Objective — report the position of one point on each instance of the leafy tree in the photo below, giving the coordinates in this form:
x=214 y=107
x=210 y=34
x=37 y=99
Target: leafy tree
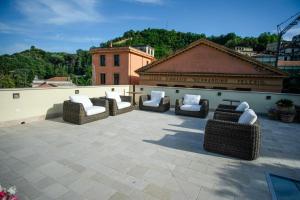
x=6 y=81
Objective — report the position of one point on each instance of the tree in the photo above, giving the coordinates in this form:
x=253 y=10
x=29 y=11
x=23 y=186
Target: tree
x=6 y=81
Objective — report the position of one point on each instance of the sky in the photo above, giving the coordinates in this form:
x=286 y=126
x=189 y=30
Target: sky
x=68 y=25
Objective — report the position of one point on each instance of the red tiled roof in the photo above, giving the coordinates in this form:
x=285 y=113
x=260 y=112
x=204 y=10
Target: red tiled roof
x=46 y=85
x=288 y=63
x=59 y=78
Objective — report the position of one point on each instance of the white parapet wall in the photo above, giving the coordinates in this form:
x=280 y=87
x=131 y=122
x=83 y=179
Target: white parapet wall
x=261 y=102
x=31 y=104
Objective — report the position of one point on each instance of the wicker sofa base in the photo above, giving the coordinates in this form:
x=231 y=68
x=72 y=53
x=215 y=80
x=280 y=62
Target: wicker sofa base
x=113 y=106
x=164 y=104
x=191 y=113
x=72 y=118
x=164 y=108
x=200 y=114
x=75 y=113
x=232 y=139
x=114 y=112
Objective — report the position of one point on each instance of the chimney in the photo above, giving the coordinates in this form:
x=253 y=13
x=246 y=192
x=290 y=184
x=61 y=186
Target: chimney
x=110 y=44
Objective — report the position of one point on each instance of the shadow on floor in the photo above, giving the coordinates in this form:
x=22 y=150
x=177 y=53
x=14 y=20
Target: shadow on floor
x=191 y=123
x=55 y=111
x=182 y=140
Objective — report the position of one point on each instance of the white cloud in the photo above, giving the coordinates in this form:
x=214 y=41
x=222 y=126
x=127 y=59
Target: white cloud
x=8 y=28
x=60 y=12
x=75 y=39
x=16 y=47
x=132 y=17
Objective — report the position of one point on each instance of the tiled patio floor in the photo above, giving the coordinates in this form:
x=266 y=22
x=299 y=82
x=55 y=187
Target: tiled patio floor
x=139 y=155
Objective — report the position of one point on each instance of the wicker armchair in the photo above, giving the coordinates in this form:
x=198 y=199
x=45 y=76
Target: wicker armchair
x=227 y=116
x=232 y=138
x=227 y=108
x=202 y=113
x=113 y=106
x=164 y=104
x=75 y=113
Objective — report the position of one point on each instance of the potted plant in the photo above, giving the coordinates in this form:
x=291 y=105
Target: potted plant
x=285 y=105
x=286 y=110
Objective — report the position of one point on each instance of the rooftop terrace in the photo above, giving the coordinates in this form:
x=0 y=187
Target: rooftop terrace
x=139 y=155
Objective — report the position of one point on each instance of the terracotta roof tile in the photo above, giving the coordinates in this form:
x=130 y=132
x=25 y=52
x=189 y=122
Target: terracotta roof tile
x=59 y=78
x=288 y=63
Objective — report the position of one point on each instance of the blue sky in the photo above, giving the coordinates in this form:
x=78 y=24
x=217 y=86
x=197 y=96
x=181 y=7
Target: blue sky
x=68 y=25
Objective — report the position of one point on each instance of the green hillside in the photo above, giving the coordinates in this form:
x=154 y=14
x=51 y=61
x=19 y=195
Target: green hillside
x=166 y=42
x=19 y=69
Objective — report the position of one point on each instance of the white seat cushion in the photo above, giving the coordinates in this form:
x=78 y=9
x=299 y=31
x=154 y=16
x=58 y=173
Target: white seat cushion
x=243 y=106
x=157 y=95
x=84 y=100
x=248 y=117
x=123 y=104
x=190 y=99
x=113 y=95
x=190 y=107
x=151 y=103
x=94 y=110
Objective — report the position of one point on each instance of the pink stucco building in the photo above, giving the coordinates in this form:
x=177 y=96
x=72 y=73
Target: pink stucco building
x=117 y=65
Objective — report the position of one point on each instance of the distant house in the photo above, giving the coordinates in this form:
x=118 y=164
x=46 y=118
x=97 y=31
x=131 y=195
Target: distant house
x=57 y=81
x=265 y=58
x=117 y=65
x=289 y=50
x=271 y=47
x=248 y=51
x=292 y=67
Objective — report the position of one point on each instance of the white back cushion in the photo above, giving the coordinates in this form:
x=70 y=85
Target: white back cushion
x=248 y=117
x=113 y=95
x=157 y=95
x=243 y=106
x=191 y=99
x=83 y=99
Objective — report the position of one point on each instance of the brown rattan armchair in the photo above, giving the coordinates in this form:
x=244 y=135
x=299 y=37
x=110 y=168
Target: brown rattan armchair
x=75 y=113
x=227 y=115
x=164 y=104
x=225 y=136
x=113 y=106
x=202 y=113
x=227 y=108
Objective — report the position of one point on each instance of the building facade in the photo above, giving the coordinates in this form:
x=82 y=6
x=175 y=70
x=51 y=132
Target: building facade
x=266 y=58
x=289 y=50
x=117 y=65
x=204 y=64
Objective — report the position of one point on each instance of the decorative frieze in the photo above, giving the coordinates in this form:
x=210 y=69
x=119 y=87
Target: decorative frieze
x=229 y=82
